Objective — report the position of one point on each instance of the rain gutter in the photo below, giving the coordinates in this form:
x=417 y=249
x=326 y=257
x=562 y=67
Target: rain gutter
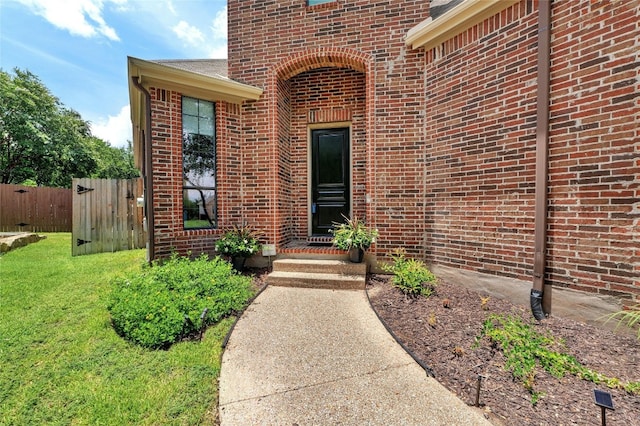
x=541 y=291
x=147 y=169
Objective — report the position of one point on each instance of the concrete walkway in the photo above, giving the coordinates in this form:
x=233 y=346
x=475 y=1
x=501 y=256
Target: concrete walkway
x=321 y=357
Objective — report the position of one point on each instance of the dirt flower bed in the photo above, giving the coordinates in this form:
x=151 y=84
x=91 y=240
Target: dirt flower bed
x=441 y=331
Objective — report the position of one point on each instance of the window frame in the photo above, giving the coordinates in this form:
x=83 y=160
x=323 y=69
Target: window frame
x=319 y=2
x=188 y=185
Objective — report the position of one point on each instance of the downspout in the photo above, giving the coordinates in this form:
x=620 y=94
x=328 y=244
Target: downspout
x=541 y=291
x=147 y=171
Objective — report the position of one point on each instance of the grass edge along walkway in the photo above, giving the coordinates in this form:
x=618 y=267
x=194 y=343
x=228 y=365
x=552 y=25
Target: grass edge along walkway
x=62 y=362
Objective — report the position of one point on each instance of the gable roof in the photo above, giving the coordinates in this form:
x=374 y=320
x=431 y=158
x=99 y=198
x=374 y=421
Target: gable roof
x=439 y=7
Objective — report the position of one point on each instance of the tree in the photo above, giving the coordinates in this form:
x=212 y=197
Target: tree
x=44 y=142
x=27 y=110
x=70 y=154
x=113 y=162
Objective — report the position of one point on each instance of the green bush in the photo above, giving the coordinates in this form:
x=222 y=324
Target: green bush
x=165 y=302
x=411 y=276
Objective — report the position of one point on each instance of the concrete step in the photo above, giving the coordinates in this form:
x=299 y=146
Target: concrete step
x=318 y=273
x=316 y=280
x=322 y=266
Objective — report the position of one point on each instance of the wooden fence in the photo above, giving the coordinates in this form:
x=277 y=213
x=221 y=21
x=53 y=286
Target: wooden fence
x=105 y=216
x=39 y=209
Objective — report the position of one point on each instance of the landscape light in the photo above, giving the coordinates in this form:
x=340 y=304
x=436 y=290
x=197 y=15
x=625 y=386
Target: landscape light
x=480 y=377
x=604 y=401
x=202 y=323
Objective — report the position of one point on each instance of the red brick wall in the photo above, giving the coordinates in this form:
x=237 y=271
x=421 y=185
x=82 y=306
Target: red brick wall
x=286 y=225
x=229 y=154
x=166 y=134
x=594 y=169
x=445 y=139
x=481 y=89
x=480 y=147
x=270 y=43
x=166 y=144
x=317 y=97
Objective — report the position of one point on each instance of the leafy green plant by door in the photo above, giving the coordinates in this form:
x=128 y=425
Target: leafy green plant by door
x=165 y=302
x=353 y=233
x=411 y=276
x=526 y=350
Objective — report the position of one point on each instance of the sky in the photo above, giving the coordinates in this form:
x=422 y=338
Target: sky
x=79 y=48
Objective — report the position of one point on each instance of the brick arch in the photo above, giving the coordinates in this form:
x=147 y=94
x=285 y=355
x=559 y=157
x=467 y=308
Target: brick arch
x=279 y=124
x=310 y=59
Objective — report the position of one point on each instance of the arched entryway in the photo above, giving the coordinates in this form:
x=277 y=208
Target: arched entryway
x=321 y=120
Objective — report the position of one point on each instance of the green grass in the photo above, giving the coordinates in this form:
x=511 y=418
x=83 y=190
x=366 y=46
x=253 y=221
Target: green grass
x=196 y=224
x=62 y=363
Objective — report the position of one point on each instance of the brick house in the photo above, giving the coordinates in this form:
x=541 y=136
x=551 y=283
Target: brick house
x=426 y=126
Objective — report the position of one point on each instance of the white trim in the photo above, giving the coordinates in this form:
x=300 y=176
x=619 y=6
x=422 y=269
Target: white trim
x=431 y=32
x=210 y=88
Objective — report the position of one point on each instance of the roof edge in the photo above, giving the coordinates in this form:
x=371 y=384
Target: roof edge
x=217 y=87
x=432 y=32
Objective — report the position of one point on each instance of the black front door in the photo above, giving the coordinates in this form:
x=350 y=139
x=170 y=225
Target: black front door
x=330 y=178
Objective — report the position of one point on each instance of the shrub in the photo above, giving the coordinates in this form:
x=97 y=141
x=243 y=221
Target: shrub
x=411 y=276
x=239 y=241
x=165 y=302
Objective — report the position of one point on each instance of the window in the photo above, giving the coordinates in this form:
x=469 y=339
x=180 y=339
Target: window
x=315 y=2
x=198 y=164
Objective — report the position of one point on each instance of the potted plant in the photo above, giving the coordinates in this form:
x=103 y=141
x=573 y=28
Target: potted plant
x=238 y=243
x=353 y=236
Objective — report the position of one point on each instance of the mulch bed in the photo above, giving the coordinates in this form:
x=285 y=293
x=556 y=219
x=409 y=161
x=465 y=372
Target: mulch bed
x=443 y=338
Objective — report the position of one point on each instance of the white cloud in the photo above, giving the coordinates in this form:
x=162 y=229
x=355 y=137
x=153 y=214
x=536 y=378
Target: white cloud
x=116 y=129
x=79 y=17
x=171 y=8
x=188 y=33
x=190 y=29
x=219 y=24
x=217 y=51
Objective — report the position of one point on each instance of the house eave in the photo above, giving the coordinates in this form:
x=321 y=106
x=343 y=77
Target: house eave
x=212 y=88
x=431 y=32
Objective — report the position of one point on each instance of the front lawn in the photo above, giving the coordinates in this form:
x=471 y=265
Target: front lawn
x=62 y=362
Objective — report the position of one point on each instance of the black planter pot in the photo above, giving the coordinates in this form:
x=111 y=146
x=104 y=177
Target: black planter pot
x=356 y=255
x=238 y=263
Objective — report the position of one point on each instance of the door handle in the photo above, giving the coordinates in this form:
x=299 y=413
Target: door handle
x=313 y=208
